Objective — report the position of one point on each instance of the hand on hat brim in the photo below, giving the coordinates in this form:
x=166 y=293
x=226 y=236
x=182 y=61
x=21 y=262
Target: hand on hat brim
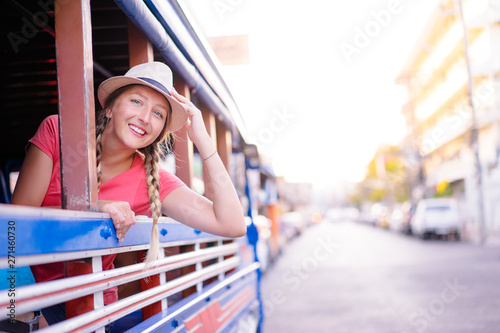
x=195 y=126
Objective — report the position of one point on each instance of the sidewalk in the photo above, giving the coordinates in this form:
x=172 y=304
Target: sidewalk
x=493 y=240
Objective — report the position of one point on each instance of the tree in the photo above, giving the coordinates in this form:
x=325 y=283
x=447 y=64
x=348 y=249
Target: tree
x=385 y=178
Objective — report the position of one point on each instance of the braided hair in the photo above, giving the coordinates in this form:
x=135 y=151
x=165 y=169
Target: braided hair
x=152 y=154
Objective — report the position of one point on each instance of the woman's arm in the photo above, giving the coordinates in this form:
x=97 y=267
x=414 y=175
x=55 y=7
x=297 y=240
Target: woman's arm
x=223 y=216
x=34 y=178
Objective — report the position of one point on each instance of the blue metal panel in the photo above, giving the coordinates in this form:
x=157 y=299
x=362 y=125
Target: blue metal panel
x=34 y=235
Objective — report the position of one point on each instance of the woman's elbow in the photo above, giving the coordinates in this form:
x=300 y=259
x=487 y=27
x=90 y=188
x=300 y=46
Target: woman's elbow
x=239 y=229
x=242 y=231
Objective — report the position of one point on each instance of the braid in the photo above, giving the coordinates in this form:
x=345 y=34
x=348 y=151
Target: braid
x=152 y=179
x=152 y=154
x=101 y=123
x=152 y=158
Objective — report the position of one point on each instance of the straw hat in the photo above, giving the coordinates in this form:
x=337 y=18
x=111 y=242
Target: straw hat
x=155 y=75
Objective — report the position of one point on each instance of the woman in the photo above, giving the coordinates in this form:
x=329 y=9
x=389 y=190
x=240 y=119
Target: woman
x=139 y=111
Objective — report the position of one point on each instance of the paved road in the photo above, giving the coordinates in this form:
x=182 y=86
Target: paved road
x=347 y=277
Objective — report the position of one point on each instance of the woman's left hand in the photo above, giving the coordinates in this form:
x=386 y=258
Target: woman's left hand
x=123 y=217
x=195 y=126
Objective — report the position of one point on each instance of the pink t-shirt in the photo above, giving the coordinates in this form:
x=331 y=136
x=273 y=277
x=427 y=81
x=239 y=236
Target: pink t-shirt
x=129 y=186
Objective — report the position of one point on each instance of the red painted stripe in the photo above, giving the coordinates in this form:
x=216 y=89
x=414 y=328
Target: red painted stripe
x=208 y=324
x=236 y=305
x=212 y=317
x=192 y=321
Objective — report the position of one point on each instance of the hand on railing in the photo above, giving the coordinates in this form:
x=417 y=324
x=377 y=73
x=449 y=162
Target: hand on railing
x=123 y=217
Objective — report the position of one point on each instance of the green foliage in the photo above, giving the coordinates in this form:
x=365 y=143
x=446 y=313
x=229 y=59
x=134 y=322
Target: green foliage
x=377 y=195
x=388 y=184
x=448 y=192
x=371 y=172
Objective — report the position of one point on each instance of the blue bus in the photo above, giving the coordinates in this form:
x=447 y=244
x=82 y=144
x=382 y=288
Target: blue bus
x=54 y=55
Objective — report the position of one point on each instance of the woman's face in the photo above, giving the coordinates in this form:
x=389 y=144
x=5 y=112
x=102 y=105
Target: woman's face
x=137 y=117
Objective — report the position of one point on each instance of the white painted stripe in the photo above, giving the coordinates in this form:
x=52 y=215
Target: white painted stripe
x=18 y=210
x=65 y=256
x=98 y=295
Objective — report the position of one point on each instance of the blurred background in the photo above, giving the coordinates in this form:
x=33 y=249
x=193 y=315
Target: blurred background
x=362 y=114
x=367 y=104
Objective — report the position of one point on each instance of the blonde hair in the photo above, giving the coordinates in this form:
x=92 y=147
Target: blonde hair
x=152 y=154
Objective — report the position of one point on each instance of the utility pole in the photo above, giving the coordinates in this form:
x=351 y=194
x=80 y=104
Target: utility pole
x=474 y=132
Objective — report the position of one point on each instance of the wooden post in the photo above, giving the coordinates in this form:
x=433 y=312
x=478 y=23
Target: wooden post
x=76 y=105
x=183 y=147
x=209 y=120
x=140 y=49
x=224 y=148
x=224 y=143
x=76 y=125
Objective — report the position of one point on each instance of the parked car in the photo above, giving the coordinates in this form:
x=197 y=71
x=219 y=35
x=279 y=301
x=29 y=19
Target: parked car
x=400 y=218
x=396 y=219
x=436 y=216
x=292 y=224
x=379 y=215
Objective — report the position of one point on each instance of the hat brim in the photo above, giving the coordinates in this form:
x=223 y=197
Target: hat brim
x=179 y=114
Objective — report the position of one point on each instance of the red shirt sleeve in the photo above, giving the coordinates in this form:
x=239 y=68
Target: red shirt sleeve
x=168 y=183
x=47 y=137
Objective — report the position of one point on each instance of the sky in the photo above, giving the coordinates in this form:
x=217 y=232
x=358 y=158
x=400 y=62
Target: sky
x=319 y=95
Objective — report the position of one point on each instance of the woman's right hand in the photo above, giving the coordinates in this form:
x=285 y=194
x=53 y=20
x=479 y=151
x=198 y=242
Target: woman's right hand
x=123 y=217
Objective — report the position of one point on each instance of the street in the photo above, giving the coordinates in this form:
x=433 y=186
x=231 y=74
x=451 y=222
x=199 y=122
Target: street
x=349 y=277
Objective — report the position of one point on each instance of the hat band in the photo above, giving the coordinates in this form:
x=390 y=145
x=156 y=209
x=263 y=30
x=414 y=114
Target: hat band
x=156 y=84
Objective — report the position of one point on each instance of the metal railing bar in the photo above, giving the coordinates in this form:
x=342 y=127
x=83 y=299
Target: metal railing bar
x=192 y=242
x=16 y=210
x=65 y=256
x=92 y=320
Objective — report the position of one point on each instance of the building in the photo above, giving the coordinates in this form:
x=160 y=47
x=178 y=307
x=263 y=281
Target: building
x=439 y=143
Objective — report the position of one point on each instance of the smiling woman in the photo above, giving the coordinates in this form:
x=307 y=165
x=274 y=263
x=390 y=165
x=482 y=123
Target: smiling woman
x=136 y=117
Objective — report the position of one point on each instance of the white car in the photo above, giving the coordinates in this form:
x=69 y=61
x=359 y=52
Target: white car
x=436 y=216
